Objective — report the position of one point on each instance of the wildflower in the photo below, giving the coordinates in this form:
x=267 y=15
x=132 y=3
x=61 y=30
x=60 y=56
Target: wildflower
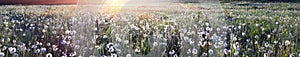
x=37 y=51
x=72 y=54
x=207 y=24
x=267 y=44
x=137 y=50
x=68 y=32
x=189 y=51
x=226 y=51
x=104 y=36
x=12 y=50
x=43 y=49
x=243 y=33
x=6 y=23
x=126 y=41
x=236 y=53
x=111 y=49
x=172 y=52
x=114 y=55
x=269 y=36
x=194 y=51
x=16 y=55
x=44 y=30
x=204 y=54
x=128 y=55
x=202 y=43
x=2 y=54
x=119 y=39
x=275 y=42
x=287 y=42
x=48 y=55
x=155 y=43
x=210 y=51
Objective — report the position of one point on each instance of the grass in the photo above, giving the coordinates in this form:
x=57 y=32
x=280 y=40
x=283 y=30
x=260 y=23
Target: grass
x=263 y=29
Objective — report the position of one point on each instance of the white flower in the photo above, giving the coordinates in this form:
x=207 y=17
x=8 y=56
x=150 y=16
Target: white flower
x=68 y=32
x=2 y=54
x=6 y=23
x=12 y=50
x=269 y=36
x=44 y=30
x=275 y=42
x=43 y=49
x=266 y=55
x=104 y=36
x=189 y=51
x=128 y=55
x=95 y=29
x=243 y=33
x=72 y=54
x=126 y=41
x=267 y=44
x=111 y=49
x=114 y=55
x=137 y=50
x=226 y=51
x=202 y=43
x=210 y=51
x=48 y=55
x=171 y=52
x=119 y=39
x=194 y=51
x=155 y=43
x=236 y=53
x=207 y=24
x=287 y=42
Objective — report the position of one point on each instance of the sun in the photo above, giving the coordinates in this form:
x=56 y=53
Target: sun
x=114 y=6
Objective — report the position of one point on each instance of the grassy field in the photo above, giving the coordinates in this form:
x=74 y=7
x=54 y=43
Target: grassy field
x=196 y=30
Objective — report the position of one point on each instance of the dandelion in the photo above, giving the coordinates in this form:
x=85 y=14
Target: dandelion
x=172 y=52
x=126 y=41
x=269 y=36
x=275 y=42
x=72 y=54
x=37 y=51
x=16 y=55
x=243 y=33
x=119 y=39
x=137 y=50
x=194 y=51
x=155 y=43
x=287 y=42
x=44 y=30
x=68 y=32
x=210 y=51
x=105 y=36
x=267 y=44
x=2 y=54
x=128 y=55
x=12 y=50
x=114 y=55
x=189 y=51
x=226 y=51
x=48 y=55
x=266 y=55
x=111 y=49
x=43 y=49
x=236 y=53
x=204 y=54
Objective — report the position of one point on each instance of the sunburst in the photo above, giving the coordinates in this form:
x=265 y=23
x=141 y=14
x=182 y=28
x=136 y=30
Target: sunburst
x=114 y=6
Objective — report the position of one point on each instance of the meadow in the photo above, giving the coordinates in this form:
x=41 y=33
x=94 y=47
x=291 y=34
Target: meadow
x=228 y=30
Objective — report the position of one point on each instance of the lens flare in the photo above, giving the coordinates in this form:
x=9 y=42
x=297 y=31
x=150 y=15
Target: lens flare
x=113 y=6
